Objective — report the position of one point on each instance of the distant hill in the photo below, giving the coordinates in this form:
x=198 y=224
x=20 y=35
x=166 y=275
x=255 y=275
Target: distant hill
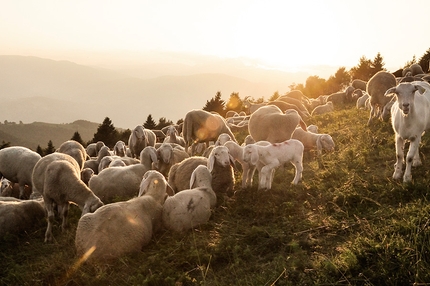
x=39 y=133
x=34 y=89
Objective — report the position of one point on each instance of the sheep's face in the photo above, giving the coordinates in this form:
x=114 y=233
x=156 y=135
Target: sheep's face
x=327 y=142
x=250 y=154
x=405 y=94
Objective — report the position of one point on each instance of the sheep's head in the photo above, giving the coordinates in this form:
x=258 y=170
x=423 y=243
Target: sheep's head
x=200 y=174
x=154 y=184
x=164 y=153
x=250 y=154
x=221 y=156
x=91 y=205
x=326 y=142
x=222 y=138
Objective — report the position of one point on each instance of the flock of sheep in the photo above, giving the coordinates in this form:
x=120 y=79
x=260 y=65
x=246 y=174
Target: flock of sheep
x=130 y=192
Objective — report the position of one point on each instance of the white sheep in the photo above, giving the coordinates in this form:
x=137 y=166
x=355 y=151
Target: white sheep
x=202 y=126
x=86 y=175
x=120 y=148
x=93 y=163
x=410 y=117
x=312 y=128
x=236 y=151
x=376 y=87
x=272 y=156
x=16 y=165
x=322 y=109
x=139 y=138
x=313 y=141
x=219 y=164
x=172 y=136
x=124 y=227
x=20 y=216
x=192 y=207
x=168 y=156
x=361 y=101
x=9 y=189
x=74 y=149
x=94 y=148
x=122 y=183
x=269 y=123
x=57 y=178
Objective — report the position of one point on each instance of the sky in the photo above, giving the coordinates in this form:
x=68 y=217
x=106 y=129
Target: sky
x=279 y=34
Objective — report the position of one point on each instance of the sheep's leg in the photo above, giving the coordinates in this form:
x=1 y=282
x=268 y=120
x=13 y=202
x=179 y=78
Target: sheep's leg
x=265 y=173
x=63 y=214
x=21 y=191
x=50 y=218
x=298 y=165
x=245 y=174
x=398 y=166
x=411 y=157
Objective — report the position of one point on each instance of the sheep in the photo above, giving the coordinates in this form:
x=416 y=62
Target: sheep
x=410 y=117
x=231 y=113
x=250 y=106
x=122 y=183
x=93 y=163
x=172 y=136
x=414 y=69
x=337 y=98
x=9 y=189
x=86 y=175
x=74 y=149
x=16 y=165
x=120 y=148
x=20 y=216
x=219 y=164
x=94 y=148
x=139 y=138
x=192 y=207
x=284 y=106
x=325 y=108
x=120 y=228
x=159 y=134
x=312 y=128
x=248 y=169
x=299 y=105
x=361 y=101
x=312 y=140
x=57 y=178
x=270 y=124
x=376 y=87
x=168 y=156
x=248 y=140
x=272 y=156
x=358 y=83
x=202 y=126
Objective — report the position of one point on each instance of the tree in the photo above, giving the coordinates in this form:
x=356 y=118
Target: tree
x=378 y=64
x=215 y=104
x=106 y=133
x=40 y=151
x=363 y=70
x=163 y=122
x=274 y=96
x=149 y=123
x=77 y=137
x=339 y=81
x=315 y=86
x=425 y=61
x=50 y=149
x=234 y=103
x=4 y=144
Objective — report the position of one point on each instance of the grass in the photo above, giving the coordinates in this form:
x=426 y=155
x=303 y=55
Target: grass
x=346 y=223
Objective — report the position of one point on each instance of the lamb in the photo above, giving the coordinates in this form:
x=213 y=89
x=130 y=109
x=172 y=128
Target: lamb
x=57 y=178
x=172 y=136
x=410 y=117
x=139 y=138
x=74 y=149
x=321 y=109
x=120 y=148
x=122 y=183
x=120 y=228
x=312 y=140
x=248 y=169
x=269 y=124
x=20 y=216
x=275 y=155
x=219 y=164
x=16 y=165
x=168 y=156
x=202 y=126
x=376 y=88
x=192 y=207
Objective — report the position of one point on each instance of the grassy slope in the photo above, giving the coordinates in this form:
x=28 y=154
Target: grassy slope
x=347 y=223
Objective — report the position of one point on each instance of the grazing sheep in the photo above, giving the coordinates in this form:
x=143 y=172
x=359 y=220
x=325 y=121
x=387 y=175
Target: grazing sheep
x=122 y=183
x=168 y=156
x=359 y=84
x=120 y=148
x=16 y=165
x=139 y=138
x=94 y=148
x=284 y=106
x=312 y=128
x=124 y=227
x=172 y=136
x=337 y=98
x=325 y=108
x=9 y=189
x=74 y=149
x=57 y=178
x=275 y=155
x=268 y=123
x=93 y=163
x=192 y=207
x=410 y=117
x=376 y=88
x=20 y=216
x=202 y=126
x=361 y=101
x=300 y=107
x=86 y=175
x=312 y=140
x=219 y=164
x=414 y=69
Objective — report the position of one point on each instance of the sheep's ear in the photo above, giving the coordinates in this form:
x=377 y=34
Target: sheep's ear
x=420 y=88
x=390 y=90
x=232 y=161
x=211 y=162
x=153 y=155
x=169 y=190
x=193 y=179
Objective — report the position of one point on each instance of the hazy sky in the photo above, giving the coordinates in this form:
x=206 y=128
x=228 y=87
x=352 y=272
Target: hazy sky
x=280 y=33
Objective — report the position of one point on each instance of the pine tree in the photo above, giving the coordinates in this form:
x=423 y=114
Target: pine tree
x=363 y=71
x=40 y=151
x=163 y=122
x=234 y=103
x=106 y=133
x=77 y=137
x=4 y=144
x=424 y=61
x=378 y=64
x=215 y=104
x=50 y=149
x=149 y=123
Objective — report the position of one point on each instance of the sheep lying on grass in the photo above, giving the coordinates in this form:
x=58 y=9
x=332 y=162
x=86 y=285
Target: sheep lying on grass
x=57 y=178
x=192 y=207
x=272 y=156
x=124 y=227
x=410 y=117
x=16 y=165
x=324 y=108
x=168 y=156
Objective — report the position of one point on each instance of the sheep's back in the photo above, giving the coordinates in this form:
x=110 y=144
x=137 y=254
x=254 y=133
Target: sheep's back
x=180 y=173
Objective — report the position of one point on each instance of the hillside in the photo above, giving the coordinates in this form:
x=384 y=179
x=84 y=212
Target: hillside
x=346 y=223
x=34 y=89
x=39 y=133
